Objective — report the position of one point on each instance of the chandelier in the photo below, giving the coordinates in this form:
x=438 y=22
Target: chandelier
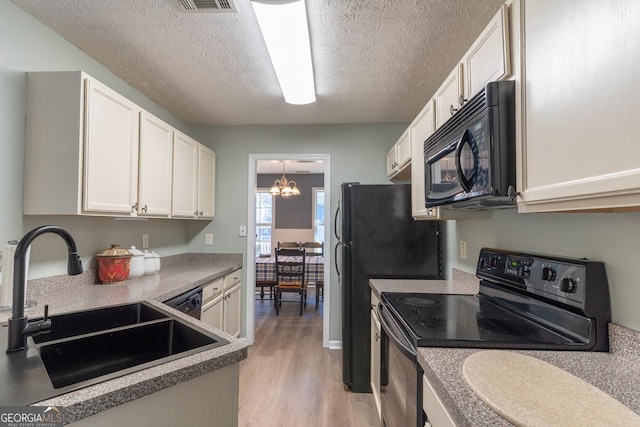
x=284 y=187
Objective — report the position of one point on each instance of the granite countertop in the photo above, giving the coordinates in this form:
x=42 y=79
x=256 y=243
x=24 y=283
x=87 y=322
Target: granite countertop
x=617 y=372
x=178 y=274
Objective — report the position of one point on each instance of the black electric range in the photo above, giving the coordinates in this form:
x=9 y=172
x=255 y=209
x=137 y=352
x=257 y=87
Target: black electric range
x=525 y=301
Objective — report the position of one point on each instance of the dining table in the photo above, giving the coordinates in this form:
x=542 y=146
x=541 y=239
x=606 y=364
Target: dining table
x=266 y=271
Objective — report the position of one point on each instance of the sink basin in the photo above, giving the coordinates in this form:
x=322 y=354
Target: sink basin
x=88 y=347
x=118 y=351
x=100 y=319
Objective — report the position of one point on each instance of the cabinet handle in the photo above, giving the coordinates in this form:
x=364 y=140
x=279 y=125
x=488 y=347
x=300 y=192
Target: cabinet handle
x=461 y=100
x=452 y=110
x=196 y=213
x=134 y=207
x=201 y=213
x=144 y=209
x=378 y=337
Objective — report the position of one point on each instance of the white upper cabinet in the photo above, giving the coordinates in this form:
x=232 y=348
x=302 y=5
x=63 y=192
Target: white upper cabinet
x=489 y=58
x=580 y=106
x=90 y=151
x=81 y=147
x=185 y=176
x=399 y=157
x=110 y=150
x=194 y=168
x=206 y=182
x=156 y=156
x=420 y=129
x=449 y=96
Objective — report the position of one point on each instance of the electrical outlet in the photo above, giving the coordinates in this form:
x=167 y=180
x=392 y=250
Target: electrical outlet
x=463 y=249
x=145 y=241
x=242 y=232
x=208 y=239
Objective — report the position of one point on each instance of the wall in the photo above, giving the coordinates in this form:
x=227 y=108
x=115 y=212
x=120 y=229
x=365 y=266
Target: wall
x=27 y=45
x=613 y=238
x=293 y=212
x=358 y=153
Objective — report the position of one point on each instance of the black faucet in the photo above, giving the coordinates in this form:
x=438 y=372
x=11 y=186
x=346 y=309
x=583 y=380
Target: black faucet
x=19 y=326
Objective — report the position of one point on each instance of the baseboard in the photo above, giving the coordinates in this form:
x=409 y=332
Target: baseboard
x=335 y=345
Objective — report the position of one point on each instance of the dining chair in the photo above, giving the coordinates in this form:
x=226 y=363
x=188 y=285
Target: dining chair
x=290 y=265
x=313 y=246
x=288 y=245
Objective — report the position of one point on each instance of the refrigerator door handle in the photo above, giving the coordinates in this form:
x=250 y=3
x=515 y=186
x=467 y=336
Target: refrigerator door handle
x=335 y=259
x=335 y=222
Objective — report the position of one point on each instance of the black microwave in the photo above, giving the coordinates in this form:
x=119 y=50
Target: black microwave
x=470 y=161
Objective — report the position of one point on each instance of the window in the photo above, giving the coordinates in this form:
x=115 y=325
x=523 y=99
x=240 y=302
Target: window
x=318 y=214
x=264 y=221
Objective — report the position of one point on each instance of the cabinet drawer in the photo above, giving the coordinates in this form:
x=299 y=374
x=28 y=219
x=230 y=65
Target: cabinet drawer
x=212 y=289
x=232 y=278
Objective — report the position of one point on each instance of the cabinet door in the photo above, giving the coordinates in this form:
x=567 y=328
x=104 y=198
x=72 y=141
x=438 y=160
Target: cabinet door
x=110 y=151
x=403 y=150
x=206 y=182
x=489 y=58
x=437 y=414
x=420 y=129
x=212 y=312
x=448 y=96
x=156 y=159
x=399 y=157
x=185 y=176
x=232 y=311
x=391 y=161
x=580 y=145
x=375 y=361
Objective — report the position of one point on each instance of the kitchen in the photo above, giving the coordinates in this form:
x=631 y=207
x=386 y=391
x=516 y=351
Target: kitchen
x=29 y=45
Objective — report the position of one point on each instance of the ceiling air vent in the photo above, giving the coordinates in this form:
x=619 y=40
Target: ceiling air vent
x=208 y=6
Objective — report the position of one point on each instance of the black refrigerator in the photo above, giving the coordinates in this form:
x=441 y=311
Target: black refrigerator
x=379 y=240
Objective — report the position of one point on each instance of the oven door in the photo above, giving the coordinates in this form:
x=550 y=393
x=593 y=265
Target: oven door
x=401 y=377
x=459 y=167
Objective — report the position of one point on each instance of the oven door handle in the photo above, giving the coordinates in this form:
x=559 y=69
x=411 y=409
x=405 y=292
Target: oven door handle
x=401 y=341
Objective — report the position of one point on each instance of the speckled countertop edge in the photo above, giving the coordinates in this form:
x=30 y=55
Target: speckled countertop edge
x=617 y=372
x=178 y=274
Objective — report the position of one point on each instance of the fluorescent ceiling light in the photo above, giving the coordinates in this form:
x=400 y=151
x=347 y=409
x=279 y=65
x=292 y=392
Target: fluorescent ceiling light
x=286 y=33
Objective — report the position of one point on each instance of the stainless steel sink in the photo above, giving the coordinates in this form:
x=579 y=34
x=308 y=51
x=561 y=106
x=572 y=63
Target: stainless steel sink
x=88 y=321
x=80 y=359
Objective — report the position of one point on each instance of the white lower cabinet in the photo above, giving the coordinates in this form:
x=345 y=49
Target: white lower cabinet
x=376 y=335
x=231 y=301
x=212 y=307
x=437 y=414
x=221 y=303
x=210 y=399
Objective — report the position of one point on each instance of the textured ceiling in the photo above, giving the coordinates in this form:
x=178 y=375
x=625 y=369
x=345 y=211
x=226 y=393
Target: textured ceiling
x=375 y=61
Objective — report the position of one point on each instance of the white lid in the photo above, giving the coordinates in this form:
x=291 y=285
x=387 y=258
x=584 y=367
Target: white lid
x=135 y=251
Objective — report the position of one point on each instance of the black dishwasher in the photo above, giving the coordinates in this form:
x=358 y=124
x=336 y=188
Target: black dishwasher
x=189 y=302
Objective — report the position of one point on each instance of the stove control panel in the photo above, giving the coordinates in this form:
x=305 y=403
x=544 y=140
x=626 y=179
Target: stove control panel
x=560 y=279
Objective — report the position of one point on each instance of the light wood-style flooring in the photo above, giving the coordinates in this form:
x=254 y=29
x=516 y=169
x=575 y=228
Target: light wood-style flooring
x=289 y=379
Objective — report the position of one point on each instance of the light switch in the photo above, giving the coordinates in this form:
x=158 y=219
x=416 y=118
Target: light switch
x=243 y=231
x=208 y=239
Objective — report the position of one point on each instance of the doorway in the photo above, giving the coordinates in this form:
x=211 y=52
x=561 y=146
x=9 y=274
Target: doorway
x=325 y=160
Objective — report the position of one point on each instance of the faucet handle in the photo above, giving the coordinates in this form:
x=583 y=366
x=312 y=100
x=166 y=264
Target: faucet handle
x=46 y=312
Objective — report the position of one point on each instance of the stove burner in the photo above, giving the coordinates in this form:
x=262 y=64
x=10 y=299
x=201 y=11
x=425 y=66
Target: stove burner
x=433 y=323
x=419 y=301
